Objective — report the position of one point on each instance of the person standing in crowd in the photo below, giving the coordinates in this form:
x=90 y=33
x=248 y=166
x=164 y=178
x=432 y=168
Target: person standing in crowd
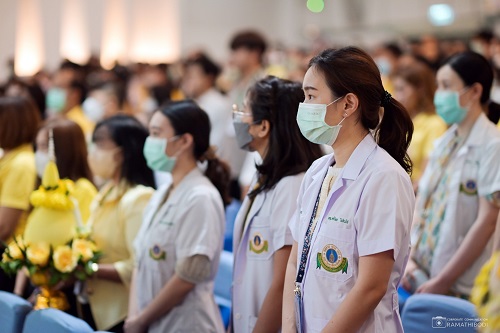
x=198 y=83
x=19 y=121
x=103 y=101
x=180 y=241
x=71 y=159
x=414 y=86
x=247 y=56
x=355 y=206
x=262 y=239
x=116 y=217
x=459 y=192
x=66 y=96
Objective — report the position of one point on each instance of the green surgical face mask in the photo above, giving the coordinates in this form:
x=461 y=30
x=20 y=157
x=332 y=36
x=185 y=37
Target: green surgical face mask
x=156 y=158
x=56 y=100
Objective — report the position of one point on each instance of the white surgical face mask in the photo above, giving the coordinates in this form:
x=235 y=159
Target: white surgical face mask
x=41 y=161
x=311 y=121
x=93 y=109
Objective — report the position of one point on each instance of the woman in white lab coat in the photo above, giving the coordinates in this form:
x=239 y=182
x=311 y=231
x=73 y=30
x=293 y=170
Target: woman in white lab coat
x=355 y=206
x=459 y=193
x=179 y=244
x=262 y=239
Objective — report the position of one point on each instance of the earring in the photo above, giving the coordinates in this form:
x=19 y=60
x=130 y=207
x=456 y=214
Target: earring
x=345 y=114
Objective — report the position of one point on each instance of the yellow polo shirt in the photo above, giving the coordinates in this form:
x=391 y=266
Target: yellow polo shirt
x=17 y=181
x=116 y=216
x=427 y=128
x=76 y=114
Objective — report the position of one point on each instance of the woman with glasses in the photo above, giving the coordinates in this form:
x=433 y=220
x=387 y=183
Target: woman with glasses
x=262 y=239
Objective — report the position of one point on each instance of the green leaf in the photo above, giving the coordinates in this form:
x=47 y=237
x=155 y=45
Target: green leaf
x=80 y=275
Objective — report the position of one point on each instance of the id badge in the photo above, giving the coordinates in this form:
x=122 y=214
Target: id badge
x=298 y=312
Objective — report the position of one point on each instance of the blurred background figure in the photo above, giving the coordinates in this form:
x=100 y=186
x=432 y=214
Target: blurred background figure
x=198 y=83
x=414 y=86
x=104 y=101
x=116 y=216
x=19 y=121
x=386 y=57
x=66 y=95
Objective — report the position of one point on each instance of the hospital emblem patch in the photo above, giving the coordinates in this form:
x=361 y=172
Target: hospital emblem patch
x=157 y=253
x=258 y=244
x=330 y=259
x=469 y=187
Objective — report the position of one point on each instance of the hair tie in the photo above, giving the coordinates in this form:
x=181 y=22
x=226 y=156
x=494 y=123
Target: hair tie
x=386 y=99
x=209 y=154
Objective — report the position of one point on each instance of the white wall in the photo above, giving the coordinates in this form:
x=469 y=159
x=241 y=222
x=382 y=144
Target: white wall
x=209 y=24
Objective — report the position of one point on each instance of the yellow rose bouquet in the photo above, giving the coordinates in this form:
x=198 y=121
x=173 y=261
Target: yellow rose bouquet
x=47 y=264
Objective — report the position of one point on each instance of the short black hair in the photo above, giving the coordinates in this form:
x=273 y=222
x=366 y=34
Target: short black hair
x=208 y=66
x=251 y=40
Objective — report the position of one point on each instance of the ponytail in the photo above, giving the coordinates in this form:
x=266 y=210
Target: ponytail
x=218 y=173
x=395 y=131
x=493 y=111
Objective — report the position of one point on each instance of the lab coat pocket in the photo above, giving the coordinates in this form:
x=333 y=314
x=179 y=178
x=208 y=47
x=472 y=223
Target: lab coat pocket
x=333 y=254
x=260 y=239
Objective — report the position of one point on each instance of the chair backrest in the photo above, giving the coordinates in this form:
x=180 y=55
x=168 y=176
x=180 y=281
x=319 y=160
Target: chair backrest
x=231 y=212
x=54 y=321
x=424 y=312
x=224 y=279
x=222 y=286
x=13 y=311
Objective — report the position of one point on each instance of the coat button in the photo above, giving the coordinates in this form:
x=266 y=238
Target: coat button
x=237 y=316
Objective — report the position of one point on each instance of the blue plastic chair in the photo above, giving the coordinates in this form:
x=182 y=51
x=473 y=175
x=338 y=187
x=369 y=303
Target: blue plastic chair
x=54 y=321
x=231 y=212
x=424 y=312
x=222 y=285
x=13 y=312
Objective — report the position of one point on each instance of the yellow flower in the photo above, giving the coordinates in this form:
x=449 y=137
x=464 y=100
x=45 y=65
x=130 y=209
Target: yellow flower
x=65 y=260
x=5 y=258
x=84 y=248
x=15 y=251
x=38 y=253
x=39 y=279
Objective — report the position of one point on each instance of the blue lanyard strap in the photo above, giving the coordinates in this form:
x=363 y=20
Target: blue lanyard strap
x=307 y=243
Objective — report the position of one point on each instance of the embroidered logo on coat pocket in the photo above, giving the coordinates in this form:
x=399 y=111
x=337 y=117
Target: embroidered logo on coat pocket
x=157 y=253
x=258 y=244
x=331 y=260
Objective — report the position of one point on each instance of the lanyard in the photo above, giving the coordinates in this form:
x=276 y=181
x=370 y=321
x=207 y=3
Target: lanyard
x=307 y=242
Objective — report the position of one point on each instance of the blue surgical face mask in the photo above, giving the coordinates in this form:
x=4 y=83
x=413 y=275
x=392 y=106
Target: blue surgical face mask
x=55 y=100
x=311 y=121
x=448 y=107
x=156 y=158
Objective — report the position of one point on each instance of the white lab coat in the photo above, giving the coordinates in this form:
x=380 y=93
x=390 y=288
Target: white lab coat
x=190 y=222
x=265 y=232
x=475 y=173
x=369 y=210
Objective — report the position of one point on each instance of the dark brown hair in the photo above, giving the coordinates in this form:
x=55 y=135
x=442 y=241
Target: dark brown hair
x=187 y=117
x=289 y=152
x=19 y=121
x=422 y=78
x=351 y=70
x=70 y=148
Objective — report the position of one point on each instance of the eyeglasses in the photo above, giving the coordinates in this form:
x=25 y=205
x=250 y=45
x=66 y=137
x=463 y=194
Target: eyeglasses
x=239 y=115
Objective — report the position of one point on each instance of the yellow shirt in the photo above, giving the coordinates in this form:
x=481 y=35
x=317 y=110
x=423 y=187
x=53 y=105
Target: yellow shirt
x=427 y=128
x=17 y=181
x=76 y=114
x=84 y=193
x=116 y=216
